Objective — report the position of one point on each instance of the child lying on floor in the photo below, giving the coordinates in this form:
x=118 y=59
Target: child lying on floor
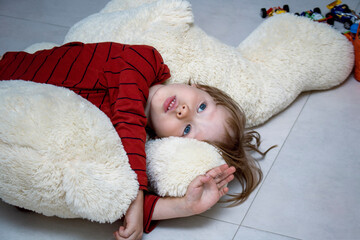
x=125 y=82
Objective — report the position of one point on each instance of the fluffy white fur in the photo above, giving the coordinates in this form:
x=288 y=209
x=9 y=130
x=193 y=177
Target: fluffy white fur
x=284 y=56
x=47 y=167
x=172 y=163
x=60 y=155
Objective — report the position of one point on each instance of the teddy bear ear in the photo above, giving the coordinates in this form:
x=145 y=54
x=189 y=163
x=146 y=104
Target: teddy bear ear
x=173 y=162
x=157 y=19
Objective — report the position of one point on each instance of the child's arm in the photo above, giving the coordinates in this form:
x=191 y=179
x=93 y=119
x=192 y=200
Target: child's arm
x=203 y=192
x=133 y=222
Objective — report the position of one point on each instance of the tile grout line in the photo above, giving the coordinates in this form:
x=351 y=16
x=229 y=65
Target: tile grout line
x=277 y=155
x=272 y=233
x=218 y=220
x=34 y=21
x=237 y=230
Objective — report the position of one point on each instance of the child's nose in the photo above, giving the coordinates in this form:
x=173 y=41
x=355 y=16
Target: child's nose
x=182 y=111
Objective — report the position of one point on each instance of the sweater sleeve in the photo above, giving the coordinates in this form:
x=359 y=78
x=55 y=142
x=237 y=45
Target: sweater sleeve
x=129 y=74
x=149 y=206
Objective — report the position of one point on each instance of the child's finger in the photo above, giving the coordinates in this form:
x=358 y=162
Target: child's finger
x=222 y=172
x=224 y=182
x=125 y=232
x=217 y=170
x=117 y=236
x=229 y=171
x=199 y=181
x=221 y=177
x=223 y=191
x=121 y=231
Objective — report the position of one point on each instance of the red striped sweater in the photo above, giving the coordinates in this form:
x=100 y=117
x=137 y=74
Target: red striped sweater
x=114 y=77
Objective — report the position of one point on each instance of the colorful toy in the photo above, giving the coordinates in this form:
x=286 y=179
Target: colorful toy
x=342 y=13
x=316 y=16
x=354 y=37
x=352 y=32
x=274 y=11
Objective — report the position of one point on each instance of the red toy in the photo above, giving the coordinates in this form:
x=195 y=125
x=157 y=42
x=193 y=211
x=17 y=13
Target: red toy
x=272 y=11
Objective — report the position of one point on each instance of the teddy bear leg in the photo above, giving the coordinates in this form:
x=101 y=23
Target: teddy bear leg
x=299 y=51
x=298 y=55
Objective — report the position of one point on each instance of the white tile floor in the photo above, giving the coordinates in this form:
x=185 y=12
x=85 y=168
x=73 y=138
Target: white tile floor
x=311 y=188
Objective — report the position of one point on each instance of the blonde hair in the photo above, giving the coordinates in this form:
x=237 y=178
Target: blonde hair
x=237 y=145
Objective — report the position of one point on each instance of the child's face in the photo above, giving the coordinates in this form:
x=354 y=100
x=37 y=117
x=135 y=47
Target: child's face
x=185 y=111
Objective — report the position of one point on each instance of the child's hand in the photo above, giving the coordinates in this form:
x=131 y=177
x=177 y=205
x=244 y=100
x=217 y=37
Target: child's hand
x=133 y=223
x=202 y=193
x=206 y=190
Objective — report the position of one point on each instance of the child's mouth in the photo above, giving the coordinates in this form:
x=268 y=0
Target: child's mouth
x=169 y=104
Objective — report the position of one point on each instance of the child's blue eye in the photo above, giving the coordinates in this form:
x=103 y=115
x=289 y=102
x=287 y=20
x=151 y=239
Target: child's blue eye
x=187 y=130
x=202 y=107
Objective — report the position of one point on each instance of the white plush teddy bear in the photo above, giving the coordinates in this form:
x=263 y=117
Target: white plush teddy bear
x=283 y=57
x=60 y=155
